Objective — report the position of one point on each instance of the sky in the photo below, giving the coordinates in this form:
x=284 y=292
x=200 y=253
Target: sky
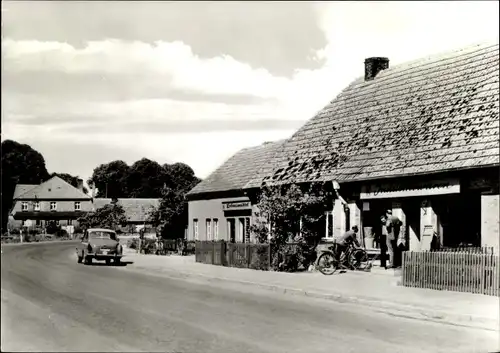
x=86 y=83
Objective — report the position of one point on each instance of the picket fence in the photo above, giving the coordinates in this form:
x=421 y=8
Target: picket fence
x=242 y=255
x=472 y=272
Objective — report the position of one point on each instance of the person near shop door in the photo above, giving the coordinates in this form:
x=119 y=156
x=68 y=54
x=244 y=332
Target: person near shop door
x=393 y=232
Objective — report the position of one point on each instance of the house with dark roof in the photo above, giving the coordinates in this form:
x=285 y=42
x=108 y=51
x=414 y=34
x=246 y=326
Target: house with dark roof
x=219 y=207
x=419 y=138
x=137 y=210
x=52 y=200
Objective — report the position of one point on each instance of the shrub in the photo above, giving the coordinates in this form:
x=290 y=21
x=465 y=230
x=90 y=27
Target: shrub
x=52 y=227
x=260 y=258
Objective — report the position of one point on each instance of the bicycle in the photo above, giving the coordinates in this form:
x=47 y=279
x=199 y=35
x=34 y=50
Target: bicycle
x=352 y=259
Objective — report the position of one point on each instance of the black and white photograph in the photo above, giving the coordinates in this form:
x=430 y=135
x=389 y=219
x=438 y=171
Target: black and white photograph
x=250 y=176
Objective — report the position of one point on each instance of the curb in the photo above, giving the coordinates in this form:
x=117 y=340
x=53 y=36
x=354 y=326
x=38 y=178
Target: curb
x=399 y=310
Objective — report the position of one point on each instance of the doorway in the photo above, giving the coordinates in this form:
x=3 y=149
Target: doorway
x=231 y=230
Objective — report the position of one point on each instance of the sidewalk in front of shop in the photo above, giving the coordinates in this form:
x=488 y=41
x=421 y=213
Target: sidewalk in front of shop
x=379 y=289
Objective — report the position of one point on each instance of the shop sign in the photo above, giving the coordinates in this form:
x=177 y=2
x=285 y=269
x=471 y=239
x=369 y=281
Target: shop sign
x=396 y=190
x=236 y=205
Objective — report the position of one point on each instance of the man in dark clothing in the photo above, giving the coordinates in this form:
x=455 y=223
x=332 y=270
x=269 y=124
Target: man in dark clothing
x=392 y=227
x=342 y=242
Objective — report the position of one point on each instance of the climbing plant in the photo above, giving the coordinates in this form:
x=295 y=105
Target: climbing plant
x=292 y=219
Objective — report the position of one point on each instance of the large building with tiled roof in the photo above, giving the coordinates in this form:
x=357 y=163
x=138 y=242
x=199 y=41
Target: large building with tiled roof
x=52 y=200
x=56 y=200
x=420 y=138
x=137 y=210
x=219 y=206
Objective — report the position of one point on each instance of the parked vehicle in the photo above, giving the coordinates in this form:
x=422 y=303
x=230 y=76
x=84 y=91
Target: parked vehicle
x=99 y=244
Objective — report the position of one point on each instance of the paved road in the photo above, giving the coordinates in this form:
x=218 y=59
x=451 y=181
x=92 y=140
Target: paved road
x=51 y=303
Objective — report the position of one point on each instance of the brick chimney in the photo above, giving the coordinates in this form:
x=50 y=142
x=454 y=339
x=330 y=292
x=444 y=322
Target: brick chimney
x=79 y=185
x=374 y=65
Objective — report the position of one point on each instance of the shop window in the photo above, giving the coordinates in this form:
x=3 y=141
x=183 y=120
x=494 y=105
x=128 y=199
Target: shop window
x=24 y=206
x=70 y=222
x=208 y=227
x=38 y=222
x=58 y=222
x=195 y=229
x=37 y=206
x=329 y=225
x=216 y=229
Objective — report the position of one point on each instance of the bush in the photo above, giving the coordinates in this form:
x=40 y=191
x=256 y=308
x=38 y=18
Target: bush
x=133 y=243
x=260 y=258
x=52 y=228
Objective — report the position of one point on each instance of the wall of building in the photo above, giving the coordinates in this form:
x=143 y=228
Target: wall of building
x=490 y=220
x=62 y=206
x=209 y=209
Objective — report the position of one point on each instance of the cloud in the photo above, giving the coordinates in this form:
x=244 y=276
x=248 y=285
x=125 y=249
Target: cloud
x=178 y=98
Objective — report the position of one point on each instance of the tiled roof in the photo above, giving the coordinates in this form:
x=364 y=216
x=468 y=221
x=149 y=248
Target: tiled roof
x=22 y=188
x=54 y=188
x=238 y=170
x=430 y=115
x=136 y=210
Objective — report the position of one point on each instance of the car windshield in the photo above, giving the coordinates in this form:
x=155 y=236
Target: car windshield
x=102 y=235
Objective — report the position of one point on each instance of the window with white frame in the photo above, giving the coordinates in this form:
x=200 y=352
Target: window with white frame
x=53 y=205
x=78 y=206
x=329 y=224
x=208 y=227
x=37 y=206
x=216 y=229
x=195 y=229
x=24 y=206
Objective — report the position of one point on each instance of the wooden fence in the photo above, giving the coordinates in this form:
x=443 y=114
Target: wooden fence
x=473 y=250
x=453 y=271
x=243 y=255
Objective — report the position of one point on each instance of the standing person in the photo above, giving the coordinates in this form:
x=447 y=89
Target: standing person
x=393 y=226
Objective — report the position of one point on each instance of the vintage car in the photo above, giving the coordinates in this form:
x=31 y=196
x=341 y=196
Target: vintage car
x=100 y=244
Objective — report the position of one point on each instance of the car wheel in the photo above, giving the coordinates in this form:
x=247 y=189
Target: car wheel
x=79 y=258
x=88 y=260
x=108 y=262
x=117 y=260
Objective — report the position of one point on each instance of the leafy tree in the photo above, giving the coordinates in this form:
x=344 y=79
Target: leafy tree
x=146 y=179
x=171 y=216
x=70 y=179
x=21 y=164
x=109 y=216
x=296 y=214
x=181 y=176
x=111 y=179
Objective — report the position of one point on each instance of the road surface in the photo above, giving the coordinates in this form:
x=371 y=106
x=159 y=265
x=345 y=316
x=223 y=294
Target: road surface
x=51 y=303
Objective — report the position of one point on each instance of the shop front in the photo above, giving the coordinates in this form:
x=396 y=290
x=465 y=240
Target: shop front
x=238 y=215
x=434 y=213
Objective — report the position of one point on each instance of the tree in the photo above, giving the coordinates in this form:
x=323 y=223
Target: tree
x=146 y=179
x=70 y=179
x=181 y=176
x=296 y=214
x=21 y=164
x=109 y=216
x=171 y=216
x=111 y=179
